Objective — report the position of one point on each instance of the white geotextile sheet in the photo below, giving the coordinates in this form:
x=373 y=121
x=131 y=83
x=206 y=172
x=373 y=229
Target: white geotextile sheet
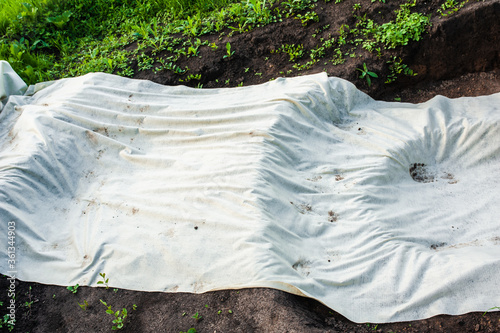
x=382 y=211
x=10 y=82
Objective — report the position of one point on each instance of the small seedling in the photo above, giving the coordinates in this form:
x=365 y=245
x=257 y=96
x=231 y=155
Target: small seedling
x=84 y=306
x=219 y=312
x=7 y=322
x=104 y=280
x=119 y=316
x=197 y=316
x=230 y=311
x=73 y=289
x=366 y=74
x=229 y=53
x=115 y=290
x=493 y=308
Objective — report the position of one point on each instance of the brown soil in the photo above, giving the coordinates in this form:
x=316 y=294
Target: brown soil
x=459 y=57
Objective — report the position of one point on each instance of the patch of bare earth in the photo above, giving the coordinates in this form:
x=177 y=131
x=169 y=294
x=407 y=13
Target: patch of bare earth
x=459 y=57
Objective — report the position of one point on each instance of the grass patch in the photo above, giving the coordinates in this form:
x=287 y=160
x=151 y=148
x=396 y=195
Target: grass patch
x=50 y=39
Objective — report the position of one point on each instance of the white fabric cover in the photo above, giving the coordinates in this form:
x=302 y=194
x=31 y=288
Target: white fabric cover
x=10 y=82
x=382 y=211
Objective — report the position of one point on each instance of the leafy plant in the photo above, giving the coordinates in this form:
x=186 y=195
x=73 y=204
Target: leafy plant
x=320 y=51
x=28 y=10
x=60 y=20
x=191 y=77
x=308 y=17
x=295 y=6
x=408 y=26
x=307 y=65
x=197 y=316
x=294 y=51
x=257 y=13
x=84 y=306
x=337 y=57
x=104 y=280
x=73 y=289
x=450 y=7
x=396 y=67
x=366 y=74
x=119 y=316
x=7 y=322
x=229 y=53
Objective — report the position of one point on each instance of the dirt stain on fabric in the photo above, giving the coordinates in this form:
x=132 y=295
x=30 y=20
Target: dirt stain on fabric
x=102 y=131
x=302 y=266
x=302 y=208
x=332 y=216
x=420 y=173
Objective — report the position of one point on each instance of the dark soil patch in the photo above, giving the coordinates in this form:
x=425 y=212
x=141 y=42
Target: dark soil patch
x=459 y=57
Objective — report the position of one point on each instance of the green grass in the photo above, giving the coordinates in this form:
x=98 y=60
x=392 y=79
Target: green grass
x=10 y=9
x=51 y=39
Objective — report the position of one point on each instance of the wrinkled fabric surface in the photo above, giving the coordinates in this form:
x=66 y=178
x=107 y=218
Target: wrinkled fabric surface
x=10 y=82
x=383 y=211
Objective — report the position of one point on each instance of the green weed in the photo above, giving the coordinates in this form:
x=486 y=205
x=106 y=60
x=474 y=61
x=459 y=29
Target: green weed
x=73 y=289
x=120 y=316
x=308 y=17
x=366 y=74
x=493 y=308
x=305 y=66
x=450 y=7
x=6 y=321
x=396 y=68
x=229 y=53
x=408 y=26
x=104 y=280
x=84 y=306
x=294 y=51
x=295 y=6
